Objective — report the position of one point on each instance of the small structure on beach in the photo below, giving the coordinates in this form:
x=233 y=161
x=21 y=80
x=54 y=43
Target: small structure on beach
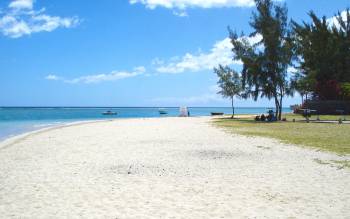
x=328 y=107
x=184 y=112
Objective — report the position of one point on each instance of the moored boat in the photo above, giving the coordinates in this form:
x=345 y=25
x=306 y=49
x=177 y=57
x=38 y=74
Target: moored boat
x=162 y=111
x=109 y=113
x=217 y=113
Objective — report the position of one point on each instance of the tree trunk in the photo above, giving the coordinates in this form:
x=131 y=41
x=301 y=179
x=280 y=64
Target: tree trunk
x=280 y=110
x=277 y=106
x=233 y=108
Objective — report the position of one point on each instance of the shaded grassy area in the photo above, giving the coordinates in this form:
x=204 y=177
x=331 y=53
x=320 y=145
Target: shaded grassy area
x=327 y=137
x=297 y=117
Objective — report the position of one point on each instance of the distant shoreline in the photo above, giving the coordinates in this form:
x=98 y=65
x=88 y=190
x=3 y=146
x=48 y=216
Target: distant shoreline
x=17 y=120
x=130 y=107
x=13 y=139
x=17 y=136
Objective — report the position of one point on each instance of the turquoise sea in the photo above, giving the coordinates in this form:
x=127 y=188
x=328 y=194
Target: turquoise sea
x=17 y=120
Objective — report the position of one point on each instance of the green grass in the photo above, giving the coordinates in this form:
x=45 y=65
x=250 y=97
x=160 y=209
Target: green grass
x=339 y=164
x=342 y=163
x=327 y=137
x=298 y=117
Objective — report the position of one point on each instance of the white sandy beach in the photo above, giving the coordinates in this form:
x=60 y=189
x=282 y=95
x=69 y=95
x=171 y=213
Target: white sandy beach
x=165 y=168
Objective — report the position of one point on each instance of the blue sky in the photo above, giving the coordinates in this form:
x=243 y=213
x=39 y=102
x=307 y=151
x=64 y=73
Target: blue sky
x=124 y=52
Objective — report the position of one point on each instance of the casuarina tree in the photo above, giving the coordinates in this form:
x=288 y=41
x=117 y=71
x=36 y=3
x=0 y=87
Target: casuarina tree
x=230 y=84
x=323 y=48
x=265 y=63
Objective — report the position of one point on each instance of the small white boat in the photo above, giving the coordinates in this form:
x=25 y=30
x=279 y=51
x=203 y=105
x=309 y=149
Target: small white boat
x=162 y=111
x=217 y=113
x=109 y=113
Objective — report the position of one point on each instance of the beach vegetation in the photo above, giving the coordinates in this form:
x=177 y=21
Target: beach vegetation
x=331 y=137
x=229 y=84
x=265 y=63
x=323 y=56
x=281 y=57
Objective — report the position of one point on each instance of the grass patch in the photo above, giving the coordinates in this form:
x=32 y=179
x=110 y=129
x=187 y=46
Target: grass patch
x=263 y=147
x=322 y=162
x=339 y=164
x=342 y=163
x=326 y=137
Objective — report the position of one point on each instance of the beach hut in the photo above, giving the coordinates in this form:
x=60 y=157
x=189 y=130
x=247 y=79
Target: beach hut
x=184 y=112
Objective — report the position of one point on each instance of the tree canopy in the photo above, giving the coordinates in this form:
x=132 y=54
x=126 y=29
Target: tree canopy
x=265 y=63
x=323 y=51
x=230 y=83
x=318 y=51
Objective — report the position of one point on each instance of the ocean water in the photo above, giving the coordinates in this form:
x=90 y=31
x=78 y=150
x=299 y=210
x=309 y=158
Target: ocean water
x=17 y=120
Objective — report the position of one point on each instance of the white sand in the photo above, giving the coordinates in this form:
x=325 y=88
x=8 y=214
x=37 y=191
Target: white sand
x=165 y=168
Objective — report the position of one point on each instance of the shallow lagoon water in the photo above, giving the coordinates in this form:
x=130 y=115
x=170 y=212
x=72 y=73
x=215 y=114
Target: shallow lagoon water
x=17 y=120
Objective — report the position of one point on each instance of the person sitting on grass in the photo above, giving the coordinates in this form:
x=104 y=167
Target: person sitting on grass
x=257 y=118
x=271 y=117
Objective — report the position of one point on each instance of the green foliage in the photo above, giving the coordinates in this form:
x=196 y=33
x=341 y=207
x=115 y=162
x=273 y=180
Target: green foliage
x=323 y=50
x=230 y=83
x=345 y=89
x=304 y=85
x=265 y=63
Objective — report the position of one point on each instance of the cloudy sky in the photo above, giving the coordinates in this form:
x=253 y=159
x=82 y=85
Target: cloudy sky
x=125 y=52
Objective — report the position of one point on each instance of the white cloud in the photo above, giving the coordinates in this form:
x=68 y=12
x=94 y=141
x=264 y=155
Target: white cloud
x=140 y=69
x=20 y=19
x=49 y=23
x=183 y=4
x=52 y=78
x=333 y=20
x=208 y=97
x=180 y=13
x=200 y=99
x=21 y=4
x=252 y=40
x=179 y=6
x=90 y=79
x=221 y=53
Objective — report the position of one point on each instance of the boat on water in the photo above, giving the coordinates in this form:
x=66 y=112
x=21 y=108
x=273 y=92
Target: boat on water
x=162 y=111
x=109 y=113
x=217 y=113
